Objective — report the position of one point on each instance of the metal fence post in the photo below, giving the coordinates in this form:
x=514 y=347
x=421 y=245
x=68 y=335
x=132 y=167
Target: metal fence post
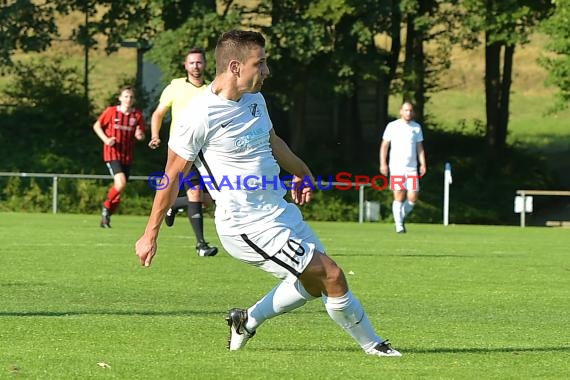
x=523 y=211
x=360 y=204
x=446 y=182
x=54 y=195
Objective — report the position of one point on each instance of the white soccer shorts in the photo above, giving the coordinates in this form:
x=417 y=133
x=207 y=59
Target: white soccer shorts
x=409 y=181
x=284 y=248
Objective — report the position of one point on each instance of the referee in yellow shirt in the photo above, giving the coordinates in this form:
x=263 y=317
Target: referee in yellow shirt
x=175 y=97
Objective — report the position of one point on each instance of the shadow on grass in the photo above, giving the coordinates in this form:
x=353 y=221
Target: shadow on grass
x=447 y=350
x=24 y=284
x=477 y=350
x=405 y=255
x=175 y=313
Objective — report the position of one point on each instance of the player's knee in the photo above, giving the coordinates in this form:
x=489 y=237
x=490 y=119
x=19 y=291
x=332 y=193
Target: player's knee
x=335 y=275
x=194 y=195
x=413 y=196
x=120 y=186
x=331 y=272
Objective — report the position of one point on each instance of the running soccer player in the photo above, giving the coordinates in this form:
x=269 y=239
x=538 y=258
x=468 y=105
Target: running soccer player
x=228 y=133
x=119 y=127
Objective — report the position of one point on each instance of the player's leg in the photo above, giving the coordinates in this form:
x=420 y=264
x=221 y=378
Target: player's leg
x=410 y=202
x=285 y=297
x=181 y=203
x=196 y=215
x=191 y=182
x=412 y=194
x=120 y=175
x=273 y=250
x=397 y=212
x=120 y=182
x=325 y=276
x=307 y=274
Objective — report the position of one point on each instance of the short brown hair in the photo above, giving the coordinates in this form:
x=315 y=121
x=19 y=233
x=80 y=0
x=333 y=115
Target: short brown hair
x=235 y=45
x=197 y=50
x=126 y=87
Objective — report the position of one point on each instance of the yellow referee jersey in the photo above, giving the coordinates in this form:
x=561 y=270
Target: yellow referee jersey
x=177 y=95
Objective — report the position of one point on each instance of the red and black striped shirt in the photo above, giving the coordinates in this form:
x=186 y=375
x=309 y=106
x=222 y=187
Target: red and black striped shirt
x=122 y=126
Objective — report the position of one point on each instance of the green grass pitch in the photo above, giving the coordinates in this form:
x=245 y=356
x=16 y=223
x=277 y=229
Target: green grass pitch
x=460 y=302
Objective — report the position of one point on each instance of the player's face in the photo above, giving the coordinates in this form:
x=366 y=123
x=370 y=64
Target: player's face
x=254 y=70
x=407 y=112
x=195 y=65
x=127 y=98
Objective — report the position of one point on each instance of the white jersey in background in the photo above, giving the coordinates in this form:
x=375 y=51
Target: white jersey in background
x=403 y=139
x=230 y=143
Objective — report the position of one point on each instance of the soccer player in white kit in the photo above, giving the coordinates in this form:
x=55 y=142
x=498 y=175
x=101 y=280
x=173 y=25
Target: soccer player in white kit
x=227 y=132
x=404 y=138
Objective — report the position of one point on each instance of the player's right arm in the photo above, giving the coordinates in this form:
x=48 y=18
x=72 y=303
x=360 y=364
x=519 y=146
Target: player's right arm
x=156 y=124
x=146 y=246
x=384 y=145
x=98 y=128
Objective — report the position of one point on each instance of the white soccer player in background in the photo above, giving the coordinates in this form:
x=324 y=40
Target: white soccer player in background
x=403 y=138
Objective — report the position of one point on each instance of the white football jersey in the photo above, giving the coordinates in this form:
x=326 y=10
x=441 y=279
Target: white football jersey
x=403 y=138
x=229 y=142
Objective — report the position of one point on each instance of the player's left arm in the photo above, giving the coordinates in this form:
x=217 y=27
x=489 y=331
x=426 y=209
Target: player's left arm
x=166 y=193
x=301 y=192
x=140 y=130
x=422 y=158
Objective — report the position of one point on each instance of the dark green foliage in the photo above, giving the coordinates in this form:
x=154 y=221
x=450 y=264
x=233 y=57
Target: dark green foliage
x=23 y=194
x=332 y=205
x=483 y=189
x=504 y=26
x=49 y=129
x=558 y=64
x=25 y=26
x=201 y=30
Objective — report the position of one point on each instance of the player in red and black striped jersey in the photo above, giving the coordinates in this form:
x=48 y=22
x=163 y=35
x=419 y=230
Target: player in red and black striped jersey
x=119 y=127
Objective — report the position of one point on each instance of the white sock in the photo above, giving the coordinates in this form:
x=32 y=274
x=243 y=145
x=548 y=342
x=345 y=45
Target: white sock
x=407 y=207
x=285 y=297
x=397 y=213
x=349 y=314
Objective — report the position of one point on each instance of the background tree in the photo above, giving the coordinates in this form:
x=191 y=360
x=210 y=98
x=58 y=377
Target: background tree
x=25 y=26
x=504 y=25
x=558 y=63
x=300 y=42
x=200 y=30
x=327 y=53
x=48 y=131
x=426 y=23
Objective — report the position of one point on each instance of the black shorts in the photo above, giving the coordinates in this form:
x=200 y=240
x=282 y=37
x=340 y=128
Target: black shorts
x=193 y=180
x=116 y=167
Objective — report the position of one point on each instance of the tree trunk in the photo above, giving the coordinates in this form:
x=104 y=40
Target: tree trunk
x=505 y=96
x=407 y=87
x=419 y=66
x=385 y=80
x=415 y=64
x=492 y=92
